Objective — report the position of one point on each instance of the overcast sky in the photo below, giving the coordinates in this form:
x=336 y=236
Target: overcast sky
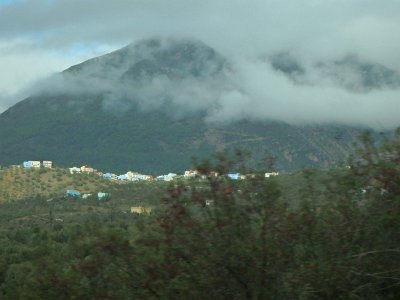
x=40 y=37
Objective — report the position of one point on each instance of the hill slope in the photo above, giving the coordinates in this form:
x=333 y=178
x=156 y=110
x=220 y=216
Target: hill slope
x=20 y=183
x=135 y=109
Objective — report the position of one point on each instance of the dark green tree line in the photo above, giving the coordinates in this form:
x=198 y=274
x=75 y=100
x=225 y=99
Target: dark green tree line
x=219 y=238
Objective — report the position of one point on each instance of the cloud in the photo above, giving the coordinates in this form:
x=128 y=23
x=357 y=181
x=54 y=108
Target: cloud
x=56 y=34
x=23 y=66
x=272 y=95
x=251 y=26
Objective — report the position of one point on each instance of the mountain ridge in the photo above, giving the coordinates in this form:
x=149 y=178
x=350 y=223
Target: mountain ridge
x=153 y=119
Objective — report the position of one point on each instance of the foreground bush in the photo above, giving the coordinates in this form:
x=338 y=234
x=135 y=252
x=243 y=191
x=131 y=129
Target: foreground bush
x=227 y=239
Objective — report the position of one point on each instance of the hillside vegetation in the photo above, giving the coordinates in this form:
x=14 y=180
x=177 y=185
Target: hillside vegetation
x=18 y=183
x=334 y=235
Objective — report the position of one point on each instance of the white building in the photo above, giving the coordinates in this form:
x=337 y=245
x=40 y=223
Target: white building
x=130 y=175
x=87 y=169
x=267 y=175
x=74 y=170
x=143 y=177
x=47 y=164
x=134 y=176
x=35 y=164
x=167 y=177
x=190 y=173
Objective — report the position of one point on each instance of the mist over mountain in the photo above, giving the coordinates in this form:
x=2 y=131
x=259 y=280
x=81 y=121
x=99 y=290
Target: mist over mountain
x=184 y=74
x=190 y=77
x=156 y=103
x=350 y=73
x=347 y=51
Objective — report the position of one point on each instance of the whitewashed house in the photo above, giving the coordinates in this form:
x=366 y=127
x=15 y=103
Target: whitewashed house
x=87 y=169
x=47 y=164
x=27 y=164
x=75 y=170
x=36 y=164
x=141 y=210
x=168 y=177
x=267 y=175
x=190 y=173
x=134 y=176
x=31 y=164
x=144 y=177
x=131 y=175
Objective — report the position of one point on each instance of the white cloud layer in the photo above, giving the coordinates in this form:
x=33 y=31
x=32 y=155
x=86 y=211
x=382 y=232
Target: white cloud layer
x=39 y=37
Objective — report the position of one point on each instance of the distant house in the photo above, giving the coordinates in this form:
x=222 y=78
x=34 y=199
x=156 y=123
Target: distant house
x=108 y=175
x=47 y=164
x=145 y=177
x=101 y=195
x=74 y=170
x=190 y=173
x=31 y=164
x=142 y=177
x=168 y=177
x=122 y=177
x=134 y=176
x=234 y=176
x=73 y=193
x=27 y=164
x=140 y=210
x=130 y=175
x=36 y=164
x=267 y=175
x=87 y=169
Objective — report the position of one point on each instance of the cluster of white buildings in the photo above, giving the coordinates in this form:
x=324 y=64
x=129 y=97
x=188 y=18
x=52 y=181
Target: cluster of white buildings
x=131 y=176
x=171 y=176
x=267 y=175
x=78 y=194
x=84 y=169
x=37 y=164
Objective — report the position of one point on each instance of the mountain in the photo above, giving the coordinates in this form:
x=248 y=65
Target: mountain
x=350 y=72
x=144 y=107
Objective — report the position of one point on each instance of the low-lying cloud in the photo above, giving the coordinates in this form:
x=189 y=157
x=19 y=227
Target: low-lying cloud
x=328 y=92
x=346 y=53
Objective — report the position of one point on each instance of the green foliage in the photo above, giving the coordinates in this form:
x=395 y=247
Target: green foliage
x=335 y=237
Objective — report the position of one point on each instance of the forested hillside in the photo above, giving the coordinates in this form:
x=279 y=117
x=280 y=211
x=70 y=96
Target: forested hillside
x=335 y=237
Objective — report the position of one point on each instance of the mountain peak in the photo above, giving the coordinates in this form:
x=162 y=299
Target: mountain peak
x=142 y=107
x=172 y=57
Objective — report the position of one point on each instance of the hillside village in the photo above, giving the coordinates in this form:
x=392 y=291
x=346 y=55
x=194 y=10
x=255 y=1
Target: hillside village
x=129 y=176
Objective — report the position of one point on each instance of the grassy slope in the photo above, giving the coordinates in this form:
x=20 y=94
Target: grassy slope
x=31 y=187
x=24 y=194
x=20 y=183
